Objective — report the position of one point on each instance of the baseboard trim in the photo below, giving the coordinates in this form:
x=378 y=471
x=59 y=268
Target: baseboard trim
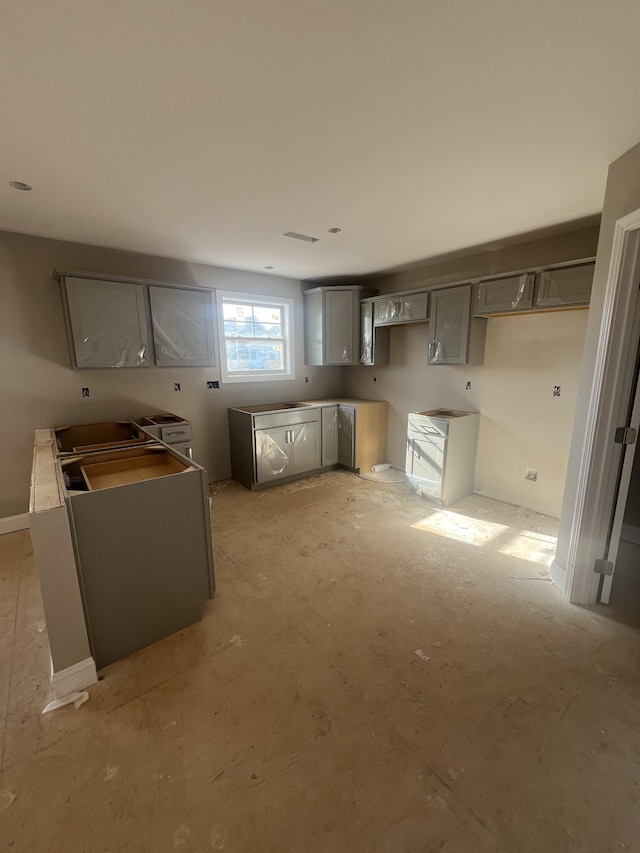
x=73 y=678
x=541 y=510
x=558 y=576
x=630 y=533
x=11 y=523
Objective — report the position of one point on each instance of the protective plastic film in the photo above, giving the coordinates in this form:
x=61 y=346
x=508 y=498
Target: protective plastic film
x=271 y=456
x=522 y=285
x=436 y=354
x=107 y=322
x=182 y=333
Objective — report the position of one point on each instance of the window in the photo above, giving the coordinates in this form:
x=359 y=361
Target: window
x=255 y=336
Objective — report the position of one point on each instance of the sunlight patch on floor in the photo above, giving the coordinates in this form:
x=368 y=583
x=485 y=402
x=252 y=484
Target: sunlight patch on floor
x=528 y=545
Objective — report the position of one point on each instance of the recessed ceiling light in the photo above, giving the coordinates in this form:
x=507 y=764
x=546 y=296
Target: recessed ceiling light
x=335 y=230
x=20 y=185
x=268 y=268
x=304 y=237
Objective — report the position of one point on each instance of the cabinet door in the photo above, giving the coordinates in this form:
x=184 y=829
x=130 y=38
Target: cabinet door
x=272 y=454
x=565 y=286
x=449 y=325
x=400 y=309
x=107 y=323
x=182 y=322
x=366 y=333
x=338 y=327
x=425 y=464
x=503 y=295
x=304 y=447
x=330 y=435
x=374 y=340
x=346 y=436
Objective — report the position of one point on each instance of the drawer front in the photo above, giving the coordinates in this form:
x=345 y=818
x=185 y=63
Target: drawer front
x=400 y=309
x=431 y=427
x=289 y=418
x=505 y=294
x=175 y=433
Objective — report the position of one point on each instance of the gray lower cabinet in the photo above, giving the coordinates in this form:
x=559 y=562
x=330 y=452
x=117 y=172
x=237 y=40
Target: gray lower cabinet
x=329 y=424
x=286 y=451
x=346 y=436
x=454 y=337
x=139 y=523
x=269 y=444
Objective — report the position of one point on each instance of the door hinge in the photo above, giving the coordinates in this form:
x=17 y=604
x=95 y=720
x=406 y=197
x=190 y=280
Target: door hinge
x=603 y=567
x=626 y=435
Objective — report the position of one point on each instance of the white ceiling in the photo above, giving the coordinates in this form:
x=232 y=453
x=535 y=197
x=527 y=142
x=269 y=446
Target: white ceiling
x=205 y=129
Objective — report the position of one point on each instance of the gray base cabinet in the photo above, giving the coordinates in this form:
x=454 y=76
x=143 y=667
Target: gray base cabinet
x=282 y=441
x=269 y=445
x=138 y=519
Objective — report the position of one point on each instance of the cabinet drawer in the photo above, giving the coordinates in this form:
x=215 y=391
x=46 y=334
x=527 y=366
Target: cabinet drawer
x=505 y=294
x=175 y=433
x=400 y=309
x=565 y=286
x=289 y=418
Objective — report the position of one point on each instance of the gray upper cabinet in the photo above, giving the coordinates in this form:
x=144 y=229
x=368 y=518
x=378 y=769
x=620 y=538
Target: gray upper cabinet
x=182 y=322
x=504 y=295
x=400 y=308
x=107 y=322
x=374 y=341
x=453 y=337
x=565 y=286
x=332 y=325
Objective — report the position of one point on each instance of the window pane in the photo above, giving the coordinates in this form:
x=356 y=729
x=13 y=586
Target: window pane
x=249 y=357
x=268 y=314
x=262 y=330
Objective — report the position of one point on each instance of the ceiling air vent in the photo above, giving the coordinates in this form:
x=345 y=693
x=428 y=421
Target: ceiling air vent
x=304 y=237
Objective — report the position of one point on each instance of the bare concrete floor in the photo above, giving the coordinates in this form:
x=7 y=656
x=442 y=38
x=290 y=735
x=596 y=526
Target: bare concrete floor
x=297 y=715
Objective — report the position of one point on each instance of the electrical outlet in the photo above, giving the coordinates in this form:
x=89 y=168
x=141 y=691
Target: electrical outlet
x=531 y=474
x=556 y=390
x=306 y=379
x=176 y=386
x=212 y=384
x=85 y=392
x=468 y=385
x=375 y=378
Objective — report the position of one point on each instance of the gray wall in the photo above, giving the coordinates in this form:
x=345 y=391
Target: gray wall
x=38 y=388
x=522 y=423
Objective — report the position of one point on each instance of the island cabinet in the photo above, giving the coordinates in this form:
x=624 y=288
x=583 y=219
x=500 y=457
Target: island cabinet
x=332 y=325
x=122 y=540
x=454 y=336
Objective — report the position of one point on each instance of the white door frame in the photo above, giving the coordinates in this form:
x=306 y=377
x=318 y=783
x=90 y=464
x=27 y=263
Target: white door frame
x=611 y=390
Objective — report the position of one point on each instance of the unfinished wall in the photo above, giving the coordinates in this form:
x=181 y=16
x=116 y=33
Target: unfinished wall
x=522 y=423
x=39 y=389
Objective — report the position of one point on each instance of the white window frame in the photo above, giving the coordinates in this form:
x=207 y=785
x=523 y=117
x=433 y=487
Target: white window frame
x=283 y=302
